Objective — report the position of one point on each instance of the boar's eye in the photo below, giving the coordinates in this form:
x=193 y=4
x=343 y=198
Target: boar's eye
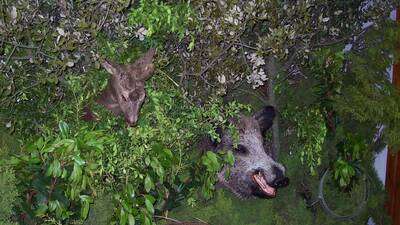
x=241 y=149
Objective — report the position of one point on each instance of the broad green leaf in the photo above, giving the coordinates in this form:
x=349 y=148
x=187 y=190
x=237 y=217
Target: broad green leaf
x=149 y=205
x=76 y=174
x=131 y=219
x=148 y=184
x=122 y=217
x=64 y=129
x=41 y=210
x=78 y=160
x=85 y=209
x=57 y=171
x=229 y=158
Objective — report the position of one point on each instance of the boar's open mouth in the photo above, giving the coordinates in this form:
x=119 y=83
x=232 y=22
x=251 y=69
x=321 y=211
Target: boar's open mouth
x=262 y=184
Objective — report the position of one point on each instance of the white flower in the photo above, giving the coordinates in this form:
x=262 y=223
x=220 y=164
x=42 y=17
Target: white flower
x=13 y=13
x=257 y=78
x=338 y=12
x=326 y=19
x=221 y=79
x=141 y=33
x=60 y=31
x=70 y=64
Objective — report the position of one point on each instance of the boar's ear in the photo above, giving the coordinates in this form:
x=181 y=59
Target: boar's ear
x=265 y=117
x=110 y=67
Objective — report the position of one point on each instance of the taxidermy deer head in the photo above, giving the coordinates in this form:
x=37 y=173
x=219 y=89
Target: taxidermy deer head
x=125 y=91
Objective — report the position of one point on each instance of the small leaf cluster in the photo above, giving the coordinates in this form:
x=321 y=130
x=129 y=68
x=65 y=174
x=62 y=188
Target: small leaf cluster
x=310 y=130
x=160 y=18
x=213 y=163
x=61 y=168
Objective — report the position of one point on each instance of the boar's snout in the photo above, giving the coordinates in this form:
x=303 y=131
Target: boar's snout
x=281 y=180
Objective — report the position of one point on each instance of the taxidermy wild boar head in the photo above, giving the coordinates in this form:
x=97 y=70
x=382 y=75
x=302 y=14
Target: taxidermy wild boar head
x=125 y=91
x=255 y=172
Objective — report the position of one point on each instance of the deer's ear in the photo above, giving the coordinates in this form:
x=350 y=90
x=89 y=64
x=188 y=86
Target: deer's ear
x=143 y=68
x=110 y=67
x=265 y=117
x=147 y=58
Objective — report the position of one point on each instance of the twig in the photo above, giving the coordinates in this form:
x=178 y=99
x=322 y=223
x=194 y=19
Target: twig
x=216 y=59
x=201 y=220
x=20 y=91
x=104 y=20
x=166 y=75
x=19 y=45
x=9 y=57
x=363 y=31
x=167 y=218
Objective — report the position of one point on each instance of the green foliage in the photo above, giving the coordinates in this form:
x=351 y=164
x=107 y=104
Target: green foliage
x=213 y=163
x=139 y=167
x=8 y=182
x=50 y=71
x=290 y=207
x=160 y=18
x=62 y=168
x=8 y=192
x=99 y=213
x=355 y=85
x=351 y=150
x=9 y=195
x=310 y=130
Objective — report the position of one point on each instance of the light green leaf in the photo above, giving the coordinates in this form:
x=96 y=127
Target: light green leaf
x=149 y=206
x=148 y=184
x=131 y=219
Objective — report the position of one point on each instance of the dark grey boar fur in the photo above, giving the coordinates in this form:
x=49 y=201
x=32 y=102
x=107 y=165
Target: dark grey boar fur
x=253 y=155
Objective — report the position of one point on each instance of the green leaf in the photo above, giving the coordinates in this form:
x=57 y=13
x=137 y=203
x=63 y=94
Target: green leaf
x=64 y=129
x=76 y=174
x=210 y=160
x=122 y=217
x=131 y=219
x=78 y=160
x=148 y=184
x=85 y=209
x=41 y=210
x=229 y=158
x=57 y=171
x=149 y=206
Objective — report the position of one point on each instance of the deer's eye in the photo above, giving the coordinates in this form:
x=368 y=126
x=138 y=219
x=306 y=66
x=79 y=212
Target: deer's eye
x=241 y=149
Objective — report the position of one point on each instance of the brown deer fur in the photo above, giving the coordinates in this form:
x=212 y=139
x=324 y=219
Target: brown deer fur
x=125 y=91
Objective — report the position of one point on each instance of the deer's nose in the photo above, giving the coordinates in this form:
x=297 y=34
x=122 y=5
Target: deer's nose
x=131 y=120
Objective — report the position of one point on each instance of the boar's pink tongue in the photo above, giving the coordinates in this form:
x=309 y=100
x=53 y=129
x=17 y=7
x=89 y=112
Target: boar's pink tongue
x=262 y=183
